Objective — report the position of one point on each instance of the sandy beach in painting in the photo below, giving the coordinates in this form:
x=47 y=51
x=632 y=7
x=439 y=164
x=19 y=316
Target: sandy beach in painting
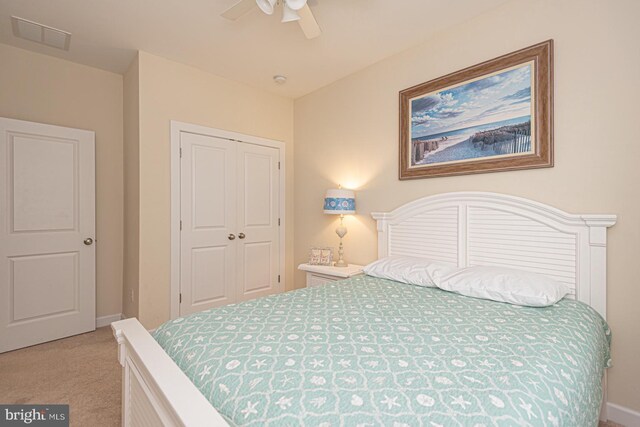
x=461 y=150
x=442 y=146
x=466 y=144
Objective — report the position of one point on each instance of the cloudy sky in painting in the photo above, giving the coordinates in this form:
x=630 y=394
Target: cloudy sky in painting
x=492 y=99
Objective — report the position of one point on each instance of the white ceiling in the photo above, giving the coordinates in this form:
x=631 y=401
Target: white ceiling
x=356 y=33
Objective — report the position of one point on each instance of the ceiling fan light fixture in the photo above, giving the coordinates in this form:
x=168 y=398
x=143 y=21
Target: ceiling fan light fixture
x=295 y=4
x=266 y=6
x=288 y=14
x=292 y=11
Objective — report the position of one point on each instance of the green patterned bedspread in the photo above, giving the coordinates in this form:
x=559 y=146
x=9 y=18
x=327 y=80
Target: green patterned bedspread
x=368 y=352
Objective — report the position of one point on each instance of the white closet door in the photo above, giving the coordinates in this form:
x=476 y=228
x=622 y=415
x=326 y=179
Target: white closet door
x=47 y=229
x=258 y=207
x=208 y=211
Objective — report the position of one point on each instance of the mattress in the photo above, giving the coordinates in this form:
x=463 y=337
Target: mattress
x=369 y=351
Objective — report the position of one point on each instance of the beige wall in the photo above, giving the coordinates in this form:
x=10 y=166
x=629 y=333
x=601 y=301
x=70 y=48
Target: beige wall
x=131 y=252
x=44 y=89
x=348 y=133
x=173 y=91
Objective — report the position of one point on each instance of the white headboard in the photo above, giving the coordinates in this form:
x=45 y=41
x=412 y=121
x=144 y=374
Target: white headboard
x=474 y=228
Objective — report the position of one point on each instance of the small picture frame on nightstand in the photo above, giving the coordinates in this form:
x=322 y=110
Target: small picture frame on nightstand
x=320 y=256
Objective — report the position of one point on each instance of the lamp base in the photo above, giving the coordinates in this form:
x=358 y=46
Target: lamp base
x=341 y=231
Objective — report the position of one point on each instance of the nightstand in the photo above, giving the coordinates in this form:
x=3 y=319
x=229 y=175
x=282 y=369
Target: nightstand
x=320 y=274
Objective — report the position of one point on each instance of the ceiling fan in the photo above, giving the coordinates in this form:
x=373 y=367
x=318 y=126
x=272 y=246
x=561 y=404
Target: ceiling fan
x=292 y=10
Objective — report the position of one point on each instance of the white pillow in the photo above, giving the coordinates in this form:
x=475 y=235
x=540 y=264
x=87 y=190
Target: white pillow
x=505 y=285
x=405 y=269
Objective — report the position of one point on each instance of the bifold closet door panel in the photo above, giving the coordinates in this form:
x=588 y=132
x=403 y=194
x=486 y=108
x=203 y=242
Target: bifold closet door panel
x=258 y=221
x=209 y=220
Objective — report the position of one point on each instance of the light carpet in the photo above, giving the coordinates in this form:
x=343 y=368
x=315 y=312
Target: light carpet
x=81 y=371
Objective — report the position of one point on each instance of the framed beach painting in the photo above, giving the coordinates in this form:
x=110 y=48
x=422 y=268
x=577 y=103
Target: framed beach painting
x=490 y=117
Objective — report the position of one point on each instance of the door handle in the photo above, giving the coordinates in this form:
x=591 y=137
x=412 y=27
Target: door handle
x=241 y=235
x=231 y=236
x=88 y=241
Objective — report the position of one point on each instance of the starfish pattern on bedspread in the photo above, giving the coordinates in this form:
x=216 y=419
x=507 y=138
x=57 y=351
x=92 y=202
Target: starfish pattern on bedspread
x=370 y=351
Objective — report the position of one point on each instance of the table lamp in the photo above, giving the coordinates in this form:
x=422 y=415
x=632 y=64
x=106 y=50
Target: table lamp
x=340 y=202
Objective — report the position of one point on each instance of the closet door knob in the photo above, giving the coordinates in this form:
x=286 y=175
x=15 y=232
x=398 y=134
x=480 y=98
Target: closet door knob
x=241 y=235
x=231 y=236
x=88 y=241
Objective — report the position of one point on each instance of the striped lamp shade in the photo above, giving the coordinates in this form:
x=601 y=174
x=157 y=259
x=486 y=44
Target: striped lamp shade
x=340 y=202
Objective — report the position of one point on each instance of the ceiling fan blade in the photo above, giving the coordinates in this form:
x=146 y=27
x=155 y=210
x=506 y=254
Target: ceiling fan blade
x=308 y=23
x=238 y=9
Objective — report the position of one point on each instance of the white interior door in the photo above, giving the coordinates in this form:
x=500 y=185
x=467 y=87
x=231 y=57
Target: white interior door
x=258 y=229
x=208 y=215
x=47 y=255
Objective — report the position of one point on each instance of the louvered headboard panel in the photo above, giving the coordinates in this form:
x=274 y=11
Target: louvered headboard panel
x=415 y=236
x=506 y=239
x=472 y=228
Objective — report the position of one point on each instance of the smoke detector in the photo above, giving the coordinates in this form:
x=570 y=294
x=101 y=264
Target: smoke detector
x=40 y=33
x=280 y=80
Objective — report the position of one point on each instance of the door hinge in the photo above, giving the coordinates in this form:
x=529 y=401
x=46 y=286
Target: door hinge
x=180 y=151
x=180 y=297
x=180 y=225
x=278 y=278
x=278 y=165
x=278 y=222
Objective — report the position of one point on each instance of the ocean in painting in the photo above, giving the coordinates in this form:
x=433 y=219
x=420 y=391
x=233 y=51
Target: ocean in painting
x=490 y=116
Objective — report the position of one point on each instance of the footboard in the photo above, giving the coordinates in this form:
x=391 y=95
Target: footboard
x=154 y=390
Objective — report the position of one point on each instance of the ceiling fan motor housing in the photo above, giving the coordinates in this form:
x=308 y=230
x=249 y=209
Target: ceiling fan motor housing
x=292 y=11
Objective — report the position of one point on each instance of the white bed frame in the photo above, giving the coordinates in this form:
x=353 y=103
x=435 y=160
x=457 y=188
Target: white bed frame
x=467 y=228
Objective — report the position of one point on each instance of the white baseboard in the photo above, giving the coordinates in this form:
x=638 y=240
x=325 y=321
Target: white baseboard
x=621 y=415
x=107 y=320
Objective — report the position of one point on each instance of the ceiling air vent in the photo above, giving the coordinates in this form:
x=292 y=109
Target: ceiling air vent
x=39 y=33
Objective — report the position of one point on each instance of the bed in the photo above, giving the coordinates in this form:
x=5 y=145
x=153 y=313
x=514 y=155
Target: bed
x=375 y=352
